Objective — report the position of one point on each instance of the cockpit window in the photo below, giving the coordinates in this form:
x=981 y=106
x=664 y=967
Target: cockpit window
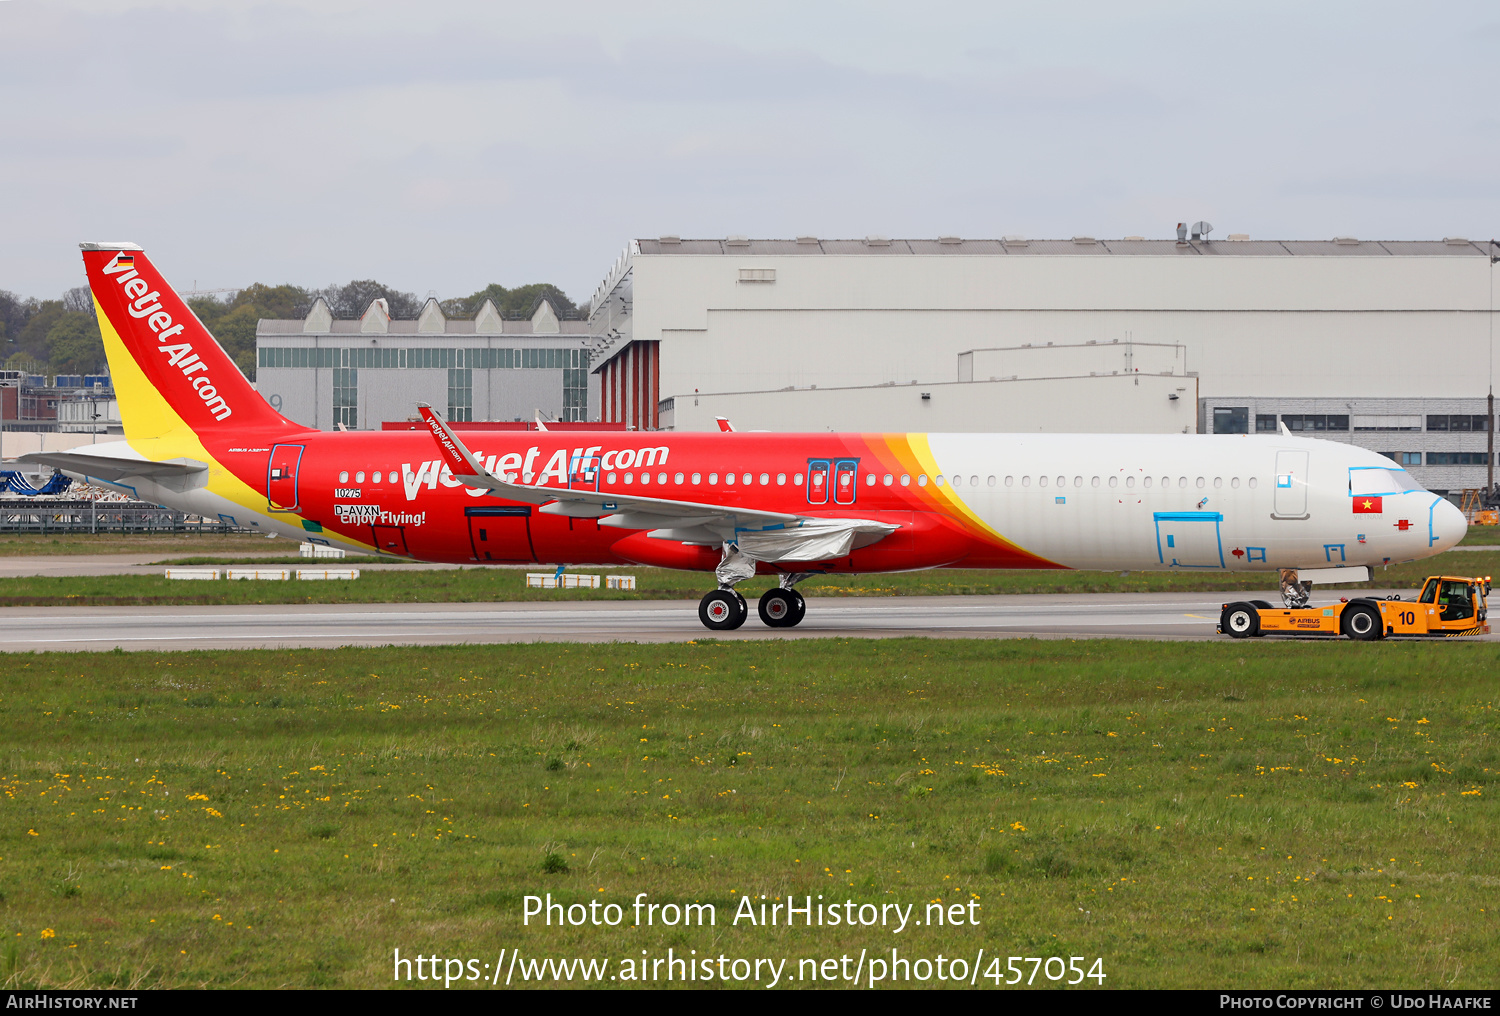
x=1366 y=480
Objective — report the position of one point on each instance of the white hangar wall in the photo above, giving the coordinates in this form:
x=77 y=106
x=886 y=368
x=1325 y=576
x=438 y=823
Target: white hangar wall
x=1305 y=326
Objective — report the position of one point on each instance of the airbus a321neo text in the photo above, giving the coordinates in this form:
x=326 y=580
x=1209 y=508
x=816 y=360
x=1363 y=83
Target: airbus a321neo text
x=200 y=439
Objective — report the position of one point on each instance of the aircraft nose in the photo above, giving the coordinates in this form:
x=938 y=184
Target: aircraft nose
x=1448 y=525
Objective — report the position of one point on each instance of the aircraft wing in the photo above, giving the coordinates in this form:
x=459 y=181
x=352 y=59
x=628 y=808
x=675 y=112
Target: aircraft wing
x=762 y=535
x=625 y=511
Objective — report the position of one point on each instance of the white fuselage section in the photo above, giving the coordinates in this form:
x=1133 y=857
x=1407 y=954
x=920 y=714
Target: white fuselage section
x=1173 y=502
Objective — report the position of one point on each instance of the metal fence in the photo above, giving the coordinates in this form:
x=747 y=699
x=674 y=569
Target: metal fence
x=29 y=515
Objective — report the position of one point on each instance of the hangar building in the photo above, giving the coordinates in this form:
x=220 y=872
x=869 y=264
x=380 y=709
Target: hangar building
x=1385 y=344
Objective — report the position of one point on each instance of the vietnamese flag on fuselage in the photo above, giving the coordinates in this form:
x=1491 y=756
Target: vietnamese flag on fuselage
x=1367 y=505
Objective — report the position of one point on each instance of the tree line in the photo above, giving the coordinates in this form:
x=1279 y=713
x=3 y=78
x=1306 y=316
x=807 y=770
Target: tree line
x=62 y=336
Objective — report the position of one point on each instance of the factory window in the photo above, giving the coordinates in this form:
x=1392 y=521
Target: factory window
x=346 y=397
x=1231 y=420
x=1265 y=423
x=1405 y=458
x=460 y=395
x=1458 y=422
x=1299 y=422
x=1458 y=458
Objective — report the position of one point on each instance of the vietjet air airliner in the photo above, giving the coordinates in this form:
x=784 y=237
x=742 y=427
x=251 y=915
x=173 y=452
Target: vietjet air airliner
x=199 y=438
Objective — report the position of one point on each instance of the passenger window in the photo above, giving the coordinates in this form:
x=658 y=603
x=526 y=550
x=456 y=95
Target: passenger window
x=676 y=479
x=888 y=479
x=1114 y=481
x=1130 y=482
x=797 y=480
x=906 y=479
x=1146 y=482
x=1182 y=481
x=1218 y=482
x=781 y=479
x=921 y=479
x=958 y=481
x=713 y=479
x=1251 y=482
x=765 y=478
x=1235 y=482
x=629 y=478
x=1095 y=481
x=661 y=477
x=697 y=479
x=359 y=477
x=1041 y=481
x=990 y=480
x=1200 y=483
x=344 y=476
x=1025 y=481
x=1010 y=481
x=610 y=478
x=645 y=477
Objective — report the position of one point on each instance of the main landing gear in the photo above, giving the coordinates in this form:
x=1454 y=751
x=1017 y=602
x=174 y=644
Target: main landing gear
x=725 y=609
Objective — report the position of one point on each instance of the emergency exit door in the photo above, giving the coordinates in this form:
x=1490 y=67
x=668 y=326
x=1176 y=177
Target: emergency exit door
x=281 y=477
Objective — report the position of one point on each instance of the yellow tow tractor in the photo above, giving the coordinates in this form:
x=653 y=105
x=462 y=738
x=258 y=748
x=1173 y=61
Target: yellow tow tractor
x=1448 y=606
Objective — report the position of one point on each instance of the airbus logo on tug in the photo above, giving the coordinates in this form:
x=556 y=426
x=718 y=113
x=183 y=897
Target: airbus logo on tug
x=145 y=302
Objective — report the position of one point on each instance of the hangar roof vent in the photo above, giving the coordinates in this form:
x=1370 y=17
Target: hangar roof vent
x=1084 y=240
x=1347 y=241
x=876 y=240
x=950 y=239
x=669 y=238
x=1455 y=241
x=807 y=239
x=1014 y=241
x=736 y=240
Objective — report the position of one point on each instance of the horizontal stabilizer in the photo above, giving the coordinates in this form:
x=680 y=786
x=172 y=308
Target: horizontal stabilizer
x=115 y=467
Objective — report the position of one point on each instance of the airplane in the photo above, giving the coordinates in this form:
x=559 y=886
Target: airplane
x=200 y=439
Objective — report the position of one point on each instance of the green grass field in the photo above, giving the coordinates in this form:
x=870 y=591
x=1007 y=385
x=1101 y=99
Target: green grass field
x=475 y=585
x=1212 y=815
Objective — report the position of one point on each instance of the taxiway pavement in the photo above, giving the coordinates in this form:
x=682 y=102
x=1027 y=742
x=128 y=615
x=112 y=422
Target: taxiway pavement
x=1181 y=616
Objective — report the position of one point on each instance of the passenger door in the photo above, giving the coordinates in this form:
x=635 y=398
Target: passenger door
x=846 y=481
x=1291 y=486
x=281 y=477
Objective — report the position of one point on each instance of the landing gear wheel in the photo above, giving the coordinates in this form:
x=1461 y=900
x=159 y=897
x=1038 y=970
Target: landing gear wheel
x=723 y=610
x=782 y=608
x=1240 y=621
x=1362 y=623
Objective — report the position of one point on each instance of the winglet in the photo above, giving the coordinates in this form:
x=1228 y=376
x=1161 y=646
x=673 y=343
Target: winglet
x=724 y=425
x=540 y=424
x=460 y=460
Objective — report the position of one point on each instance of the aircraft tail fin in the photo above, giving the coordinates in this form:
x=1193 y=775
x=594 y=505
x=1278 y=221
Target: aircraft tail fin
x=169 y=373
